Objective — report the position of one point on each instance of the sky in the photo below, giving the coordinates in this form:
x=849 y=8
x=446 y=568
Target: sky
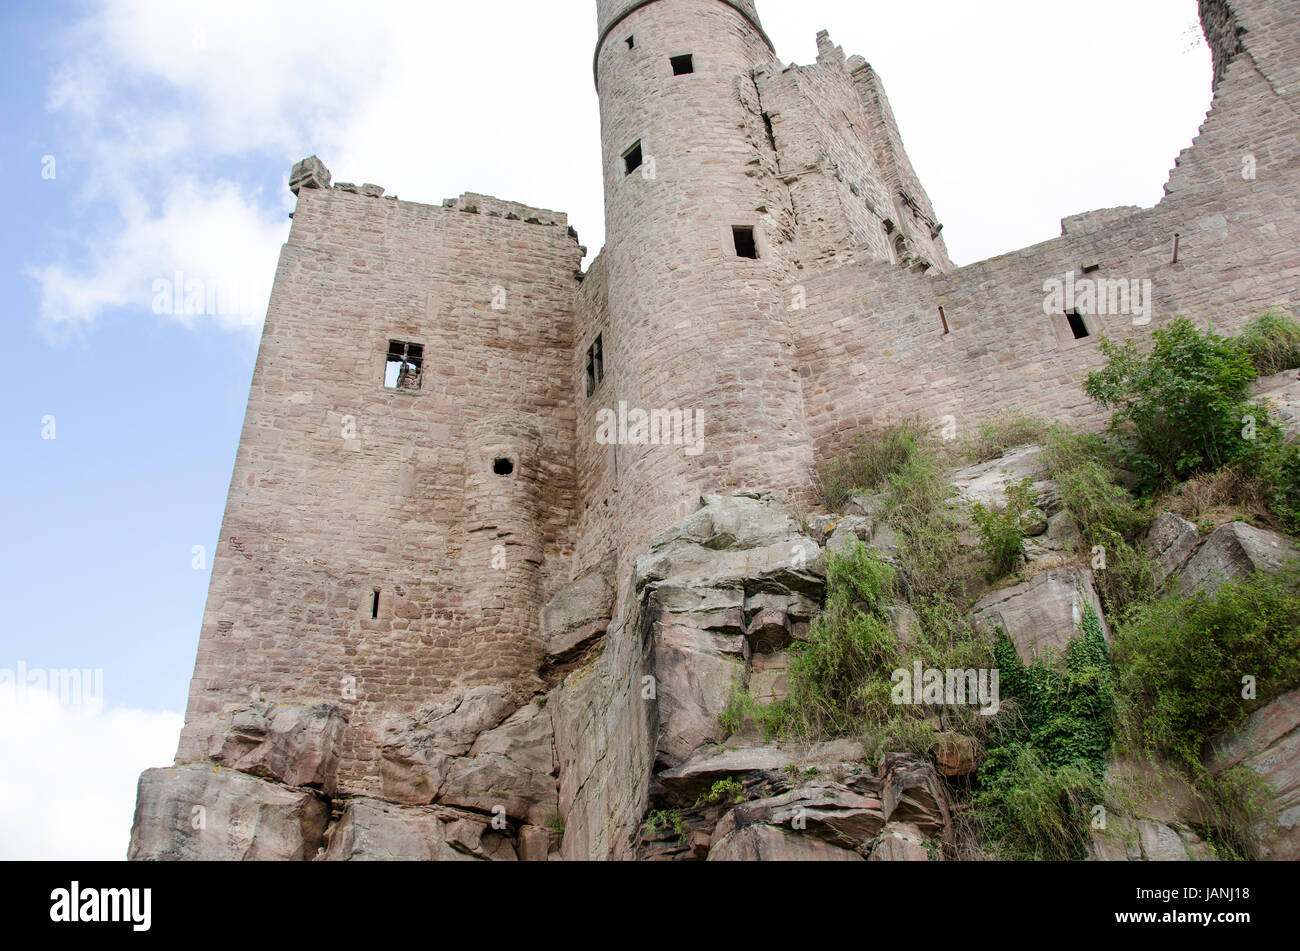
x=146 y=145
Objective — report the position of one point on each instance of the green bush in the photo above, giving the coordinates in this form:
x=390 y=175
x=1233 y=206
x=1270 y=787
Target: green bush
x=868 y=465
x=1002 y=529
x=1181 y=410
x=1183 y=660
x=1046 y=759
x=1273 y=343
x=1006 y=430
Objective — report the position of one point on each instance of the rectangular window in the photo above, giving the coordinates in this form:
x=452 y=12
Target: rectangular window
x=746 y=243
x=683 y=65
x=404 y=365
x=633 y=158
x=595 y=364
x=374 y=606
x=1078 y=326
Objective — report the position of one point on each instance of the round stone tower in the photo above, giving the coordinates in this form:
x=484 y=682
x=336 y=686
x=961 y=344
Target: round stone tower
x=696 y=268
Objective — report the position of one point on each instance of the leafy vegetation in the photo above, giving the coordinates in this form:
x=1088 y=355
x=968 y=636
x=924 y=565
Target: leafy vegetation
x=867 y=466
x=1273 y=342
x=1002 y=529
x=1046 y=759
x=1003 y=431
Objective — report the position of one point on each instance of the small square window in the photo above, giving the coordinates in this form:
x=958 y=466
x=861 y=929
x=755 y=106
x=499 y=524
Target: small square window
x=683 y=65
x=746 y=242
x=404 y=365
x=633 y=158
x=1078 y=326
x=595 y=364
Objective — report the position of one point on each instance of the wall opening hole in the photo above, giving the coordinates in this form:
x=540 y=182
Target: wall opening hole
x=374 y=606
x=683 y=65
x=1078 y=326
x=943 y=319
x=404 y=365
x=633 y=158
x=1091 y=268
x=595 y=364
x=746 y=242
x=503 y=467
x=631 y=42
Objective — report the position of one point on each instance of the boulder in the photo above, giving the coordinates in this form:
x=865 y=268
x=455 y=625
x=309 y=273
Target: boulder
x=1042 y=615
x=954 y=755
x=764 y=843
x=512 y=767
x=1172 y=541
x=200 y=812
x=580 y=612
x=375 y=831
x=708 y=765
x=987 y=482
x=417 y=753
x=1269 y=743
x=697 y=672
x=827 y=810
x=912 y=793
x=1233 y=552
x=900 y=842
x=294 y=745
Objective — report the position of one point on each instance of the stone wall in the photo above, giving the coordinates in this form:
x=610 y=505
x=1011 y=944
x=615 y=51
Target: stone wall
x=343 y=487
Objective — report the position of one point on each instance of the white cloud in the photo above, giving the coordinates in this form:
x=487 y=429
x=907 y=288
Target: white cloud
x=1016 y=114
x=68 y=774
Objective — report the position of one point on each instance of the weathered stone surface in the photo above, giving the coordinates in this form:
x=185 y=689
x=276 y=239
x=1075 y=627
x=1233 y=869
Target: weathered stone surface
x=512 y=767
x=900 y=842
x=1172 y=541
x=535 y=844
x=764 y=843
x=309 y=173
x=987 y=482
x=298 y=746
x=1282 y=390
x=580 y=612
x=1160 y=843
x=713 y=763
x=769 y=680
x=954 y=755
x=912 y=793
x=418 y=753
x=697 y=672
x=828 y=810
x=206 y=813
x=1043 y=614
x=1269 y=743
x=375 y=831
x=1232 y=552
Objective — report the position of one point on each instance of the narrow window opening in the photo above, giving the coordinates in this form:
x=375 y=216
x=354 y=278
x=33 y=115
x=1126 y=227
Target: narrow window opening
x=374 y=606
x=1177 y=239
x=1091 y=268
x=595 y=364
x=503 y=467
x=746 y=243
x=631 y=42
x=404 y=365
x=1078 y=326
x=683 y=65
x=943 y=319
x=633 y=158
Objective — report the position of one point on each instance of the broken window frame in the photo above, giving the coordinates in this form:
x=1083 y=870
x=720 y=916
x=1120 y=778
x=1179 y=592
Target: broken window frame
x=409 y=359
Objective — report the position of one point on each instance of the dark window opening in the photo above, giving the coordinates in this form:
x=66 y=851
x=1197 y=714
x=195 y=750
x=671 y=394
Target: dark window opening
x=633 y=158
x=631 y=42
x=943 y=319
x=1078 y=326
x=746 y=242
x=374 y=606
x=404 y=365
x=503 y=467
x=683 y=65
x=1091 y=268
x=595 y=364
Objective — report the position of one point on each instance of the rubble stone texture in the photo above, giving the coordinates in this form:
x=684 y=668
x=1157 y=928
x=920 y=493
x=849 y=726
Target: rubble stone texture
x=480 y=587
